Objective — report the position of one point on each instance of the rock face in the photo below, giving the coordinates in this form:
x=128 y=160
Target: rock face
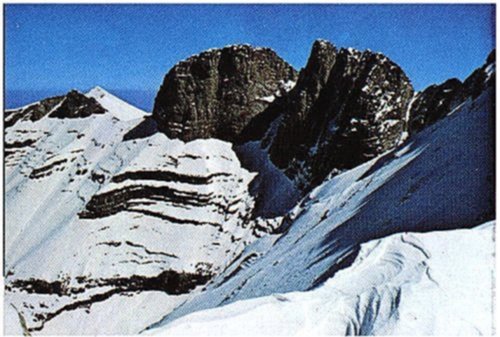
x=76 y=105
x=481 y=78
x=32 y=112
x=437 y=101
x=346 y=107
x=353 y=104
x=216 y=93
x=71 y=105
x=434 y=103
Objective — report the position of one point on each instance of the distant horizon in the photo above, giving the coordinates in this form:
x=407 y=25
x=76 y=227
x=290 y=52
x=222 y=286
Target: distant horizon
x=132 y=47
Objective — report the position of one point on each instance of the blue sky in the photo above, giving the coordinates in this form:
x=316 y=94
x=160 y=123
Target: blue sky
x=133 y=46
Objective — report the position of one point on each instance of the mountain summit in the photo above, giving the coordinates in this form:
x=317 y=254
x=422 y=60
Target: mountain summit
x=120 y=109
x=215 y=94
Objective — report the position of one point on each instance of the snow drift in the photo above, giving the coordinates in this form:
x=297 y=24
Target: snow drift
x=404 y=284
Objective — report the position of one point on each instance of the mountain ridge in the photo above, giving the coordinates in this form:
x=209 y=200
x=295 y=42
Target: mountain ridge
x=128 y=217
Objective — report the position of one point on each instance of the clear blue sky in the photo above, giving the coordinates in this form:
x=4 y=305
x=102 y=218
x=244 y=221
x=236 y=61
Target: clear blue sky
x=133 y=46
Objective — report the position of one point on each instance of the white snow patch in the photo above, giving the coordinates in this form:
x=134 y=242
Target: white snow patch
x=489 y=70
x=119 y=108
x=268 y=99
x=405 y=284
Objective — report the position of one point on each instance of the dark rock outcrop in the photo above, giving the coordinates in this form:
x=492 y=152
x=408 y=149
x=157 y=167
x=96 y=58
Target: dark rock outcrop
x=433 y=104
x=71 y=105
x=347 y=107
x=297 y=101
x=481 y=78
x=77 y=105
x=168 y=281
x=436 y=101
x=215 y=94
x=32 y=112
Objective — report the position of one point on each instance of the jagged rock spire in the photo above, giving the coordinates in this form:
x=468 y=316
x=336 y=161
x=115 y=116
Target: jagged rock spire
x=353 y=105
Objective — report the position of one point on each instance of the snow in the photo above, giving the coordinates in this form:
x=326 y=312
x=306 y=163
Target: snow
x=282 y=87
x=268 y=99
x=60 y=231
x=69 y=153
x=276 y=191
x=123 y=314
x=289 y=85
x=404 y=137
x=346 y=258
x=489 y=70
x=441 y=179
x=12 y=321
x=119 y=108
x=405 y=284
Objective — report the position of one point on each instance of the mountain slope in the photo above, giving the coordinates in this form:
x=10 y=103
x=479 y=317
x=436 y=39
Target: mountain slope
x=120 y=109
x=94 y=206
x=441 y=179
x=72 y=105
x=404 y=284
x=108 y=215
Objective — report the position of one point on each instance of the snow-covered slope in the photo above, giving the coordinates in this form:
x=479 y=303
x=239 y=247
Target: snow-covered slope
x=167 y=189
x=119 y=108
x=103 y=222
x=404 y=284
x=443 y=178
x=115 y=219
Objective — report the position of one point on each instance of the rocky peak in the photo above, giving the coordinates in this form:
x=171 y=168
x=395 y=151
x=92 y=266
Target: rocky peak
x=76 y=105
x=310 y=81
x=481 y=78
x=353 y=104
x=72 y=105
x=319 y=64
x=31 y=112
x=433 y=103
x=436 y=101
x=215 y=94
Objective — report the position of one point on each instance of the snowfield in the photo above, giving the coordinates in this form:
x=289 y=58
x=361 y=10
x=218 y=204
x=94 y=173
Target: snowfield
x=440 y=179
x=119 y=108
x=101 y=210
x=405 y=284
